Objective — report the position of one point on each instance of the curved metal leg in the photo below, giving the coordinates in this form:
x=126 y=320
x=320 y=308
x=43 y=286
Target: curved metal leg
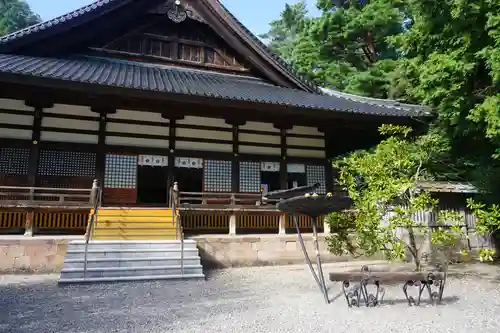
x=306 y=255
x=318 y=260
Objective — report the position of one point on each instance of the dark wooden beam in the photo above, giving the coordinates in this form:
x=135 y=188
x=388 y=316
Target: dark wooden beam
x=101 y=147
x=35 y=148
x=171 y=157
x=283 y=161
x=235 y=169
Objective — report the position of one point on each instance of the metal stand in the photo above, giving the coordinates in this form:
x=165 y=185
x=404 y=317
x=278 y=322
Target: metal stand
x=321 y=279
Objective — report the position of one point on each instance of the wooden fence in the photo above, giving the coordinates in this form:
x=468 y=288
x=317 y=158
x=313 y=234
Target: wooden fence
x=45 y=210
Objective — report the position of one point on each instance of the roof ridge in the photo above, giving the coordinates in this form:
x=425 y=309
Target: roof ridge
x=165 y=66
x=96 y=4
x=289 y=67
x=371 y=100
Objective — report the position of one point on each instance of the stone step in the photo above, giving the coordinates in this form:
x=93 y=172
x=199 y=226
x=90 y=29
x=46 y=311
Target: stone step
x=110 y=245
x=131 y=253
x=130 y=262
x=132 y=278
x=136 y=271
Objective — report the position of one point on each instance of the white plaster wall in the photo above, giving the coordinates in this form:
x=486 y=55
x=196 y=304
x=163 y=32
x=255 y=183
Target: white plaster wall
x=191 y=120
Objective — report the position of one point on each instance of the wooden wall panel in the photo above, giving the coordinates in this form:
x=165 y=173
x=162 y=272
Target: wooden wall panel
x=16 y=119
x=69 y=123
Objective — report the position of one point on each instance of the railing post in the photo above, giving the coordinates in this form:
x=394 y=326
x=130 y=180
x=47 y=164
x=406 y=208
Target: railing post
x=94 y=192
x=28 y=228
x=232 y=224
x=30 y=215
x=282 y=224
x=175 y=195
x=326 y=226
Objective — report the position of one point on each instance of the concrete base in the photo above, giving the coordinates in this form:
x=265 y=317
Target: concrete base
x=221 y=251
x=45 y=254
x=40 y=254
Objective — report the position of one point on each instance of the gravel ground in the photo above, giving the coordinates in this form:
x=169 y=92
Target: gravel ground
x=269 y=299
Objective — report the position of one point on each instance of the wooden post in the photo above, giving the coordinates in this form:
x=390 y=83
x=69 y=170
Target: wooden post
x=175 y=195
x=30 y=215
x=94 y=192
x=232 y=225
x=326 y=227
x=282 y=224
x=28 y=228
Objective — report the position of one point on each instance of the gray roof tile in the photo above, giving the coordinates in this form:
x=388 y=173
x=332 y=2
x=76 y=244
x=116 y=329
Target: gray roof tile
x=134 y=75
x=93 y=7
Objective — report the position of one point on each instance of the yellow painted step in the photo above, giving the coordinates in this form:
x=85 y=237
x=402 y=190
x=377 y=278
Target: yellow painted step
x=134 y=212
x=164 y=219
x=134 y=237
x=135 y=230
x=122 y=224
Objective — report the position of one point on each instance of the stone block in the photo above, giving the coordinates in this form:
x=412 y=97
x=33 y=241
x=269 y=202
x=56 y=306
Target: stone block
x=290 y=246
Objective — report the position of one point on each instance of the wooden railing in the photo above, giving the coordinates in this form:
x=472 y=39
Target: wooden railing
x=38 y=197
x=45 y=210
x=233 y=213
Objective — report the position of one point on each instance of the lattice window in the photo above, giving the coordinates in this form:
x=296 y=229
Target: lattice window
x=250 y=177
x=316 y=174
x=66 y=163
x=217 y=176
x=14 y=161
x=120 y=171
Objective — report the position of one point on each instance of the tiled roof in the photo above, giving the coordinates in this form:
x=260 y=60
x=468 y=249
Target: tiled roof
x=85 y=10
x=99 y=5
x=423 y=110
x=449 y=187
x=290 y=69
x=126 y=74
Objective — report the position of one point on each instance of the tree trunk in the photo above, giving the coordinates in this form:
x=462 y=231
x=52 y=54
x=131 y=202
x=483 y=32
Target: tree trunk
x=414 y=250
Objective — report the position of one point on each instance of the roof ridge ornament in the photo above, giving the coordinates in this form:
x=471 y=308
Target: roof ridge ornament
x=177 y=14
x=177 y=11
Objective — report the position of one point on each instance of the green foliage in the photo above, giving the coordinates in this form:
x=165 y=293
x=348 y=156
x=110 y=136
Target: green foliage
x=15 y=15
x=444 y=54
x=451 y=54
x=487 y=224
x=387 y=200
x=284 y=32
x=346 y=47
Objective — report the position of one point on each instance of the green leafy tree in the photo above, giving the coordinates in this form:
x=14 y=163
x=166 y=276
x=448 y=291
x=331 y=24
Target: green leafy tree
x=16 y=15
x=387 y=199
x=451 y=54
x=284 y=32
x=487 y=225
x=346 y=47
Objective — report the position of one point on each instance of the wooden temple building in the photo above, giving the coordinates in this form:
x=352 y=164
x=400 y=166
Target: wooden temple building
x=140 y=94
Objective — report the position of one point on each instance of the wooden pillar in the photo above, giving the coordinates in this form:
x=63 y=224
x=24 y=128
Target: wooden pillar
x=35 y=140
x=328 y=162
x=38 y=105
x=171 y=155
x=283 y=127
x=101 y=148
x=235 y=166
x=235 y=169
x=103 y=113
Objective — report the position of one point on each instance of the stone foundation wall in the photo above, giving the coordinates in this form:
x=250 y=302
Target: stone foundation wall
x=32 y=255
x=260 y=250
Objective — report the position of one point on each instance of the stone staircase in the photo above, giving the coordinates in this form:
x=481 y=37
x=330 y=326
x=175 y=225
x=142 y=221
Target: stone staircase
x=131 y=260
